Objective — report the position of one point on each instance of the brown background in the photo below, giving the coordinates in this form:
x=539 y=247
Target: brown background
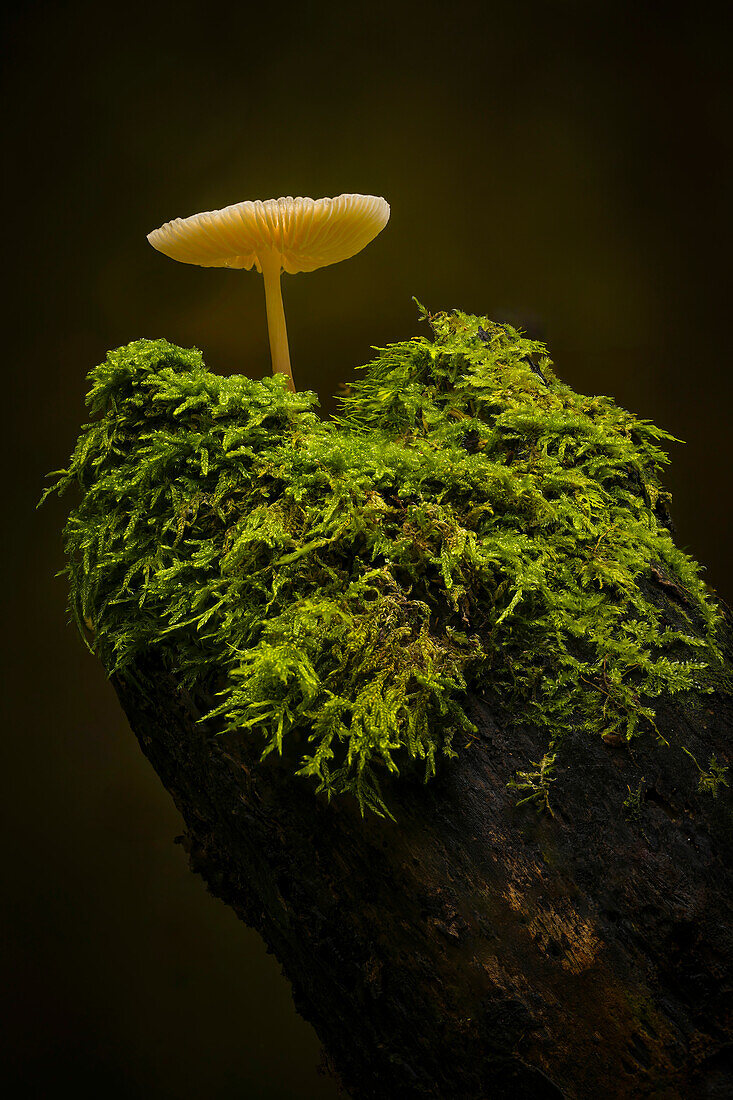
x=560 y=165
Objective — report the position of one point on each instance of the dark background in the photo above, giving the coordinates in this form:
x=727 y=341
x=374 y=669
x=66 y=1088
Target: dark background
x=560 y=165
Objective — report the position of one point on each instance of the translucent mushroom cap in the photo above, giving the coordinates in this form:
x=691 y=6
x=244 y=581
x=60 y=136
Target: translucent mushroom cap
x=305 y=233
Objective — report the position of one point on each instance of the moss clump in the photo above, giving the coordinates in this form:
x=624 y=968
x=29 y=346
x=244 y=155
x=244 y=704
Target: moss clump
x=466 y=522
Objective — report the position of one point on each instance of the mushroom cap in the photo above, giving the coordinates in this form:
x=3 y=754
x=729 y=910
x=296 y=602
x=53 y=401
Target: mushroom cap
x=305 y=233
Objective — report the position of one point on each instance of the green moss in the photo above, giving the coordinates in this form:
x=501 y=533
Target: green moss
x=466 y=522
x=712 y=778
x=633 y=805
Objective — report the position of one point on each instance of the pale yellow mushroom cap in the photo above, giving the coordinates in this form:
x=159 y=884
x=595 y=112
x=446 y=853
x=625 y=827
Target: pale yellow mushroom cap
x=305 y=233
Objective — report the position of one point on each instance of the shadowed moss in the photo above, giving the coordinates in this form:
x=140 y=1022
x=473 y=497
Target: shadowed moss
x=467 y=522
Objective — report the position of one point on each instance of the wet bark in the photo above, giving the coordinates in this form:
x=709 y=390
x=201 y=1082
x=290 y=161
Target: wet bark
x=474 y=949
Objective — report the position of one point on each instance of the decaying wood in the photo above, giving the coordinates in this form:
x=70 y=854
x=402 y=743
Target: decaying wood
x=474 y=949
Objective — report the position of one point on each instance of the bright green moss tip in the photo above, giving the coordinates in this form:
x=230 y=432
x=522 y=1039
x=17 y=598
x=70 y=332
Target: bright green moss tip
x=468 y=522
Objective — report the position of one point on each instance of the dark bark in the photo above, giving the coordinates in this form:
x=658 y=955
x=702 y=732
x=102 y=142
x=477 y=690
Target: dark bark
x=475 y=949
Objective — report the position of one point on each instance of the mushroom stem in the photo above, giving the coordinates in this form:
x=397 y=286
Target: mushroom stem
x=279 y=351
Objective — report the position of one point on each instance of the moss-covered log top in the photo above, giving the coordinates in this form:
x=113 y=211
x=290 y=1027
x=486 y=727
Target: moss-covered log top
x=468 y=522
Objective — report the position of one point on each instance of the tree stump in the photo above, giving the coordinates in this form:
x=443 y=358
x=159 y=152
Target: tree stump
x=473 y=948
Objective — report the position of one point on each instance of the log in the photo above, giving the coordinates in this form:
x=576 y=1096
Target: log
x=475 y=948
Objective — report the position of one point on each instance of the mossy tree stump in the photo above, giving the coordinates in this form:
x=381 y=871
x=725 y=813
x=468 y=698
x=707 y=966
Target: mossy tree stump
x=458 y=606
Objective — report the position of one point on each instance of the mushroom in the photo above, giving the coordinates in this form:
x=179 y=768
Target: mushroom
x=275 y=235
